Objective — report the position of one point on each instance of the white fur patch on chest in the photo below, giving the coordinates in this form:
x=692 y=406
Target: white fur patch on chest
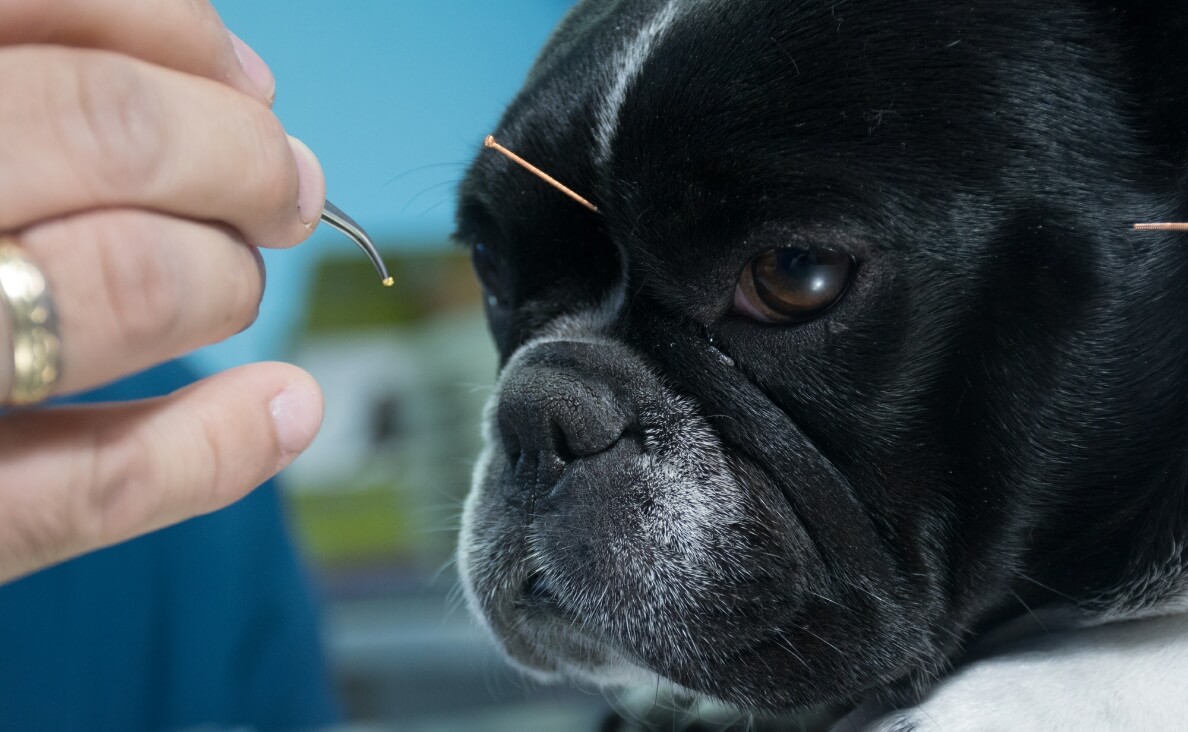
x=1120 y=676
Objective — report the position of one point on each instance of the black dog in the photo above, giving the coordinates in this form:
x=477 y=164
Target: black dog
x=858 y=363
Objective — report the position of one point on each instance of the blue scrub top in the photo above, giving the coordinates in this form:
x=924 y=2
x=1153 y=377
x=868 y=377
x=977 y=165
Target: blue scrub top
x=210 y=622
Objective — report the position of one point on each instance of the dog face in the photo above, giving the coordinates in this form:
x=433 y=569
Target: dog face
x=858 y=355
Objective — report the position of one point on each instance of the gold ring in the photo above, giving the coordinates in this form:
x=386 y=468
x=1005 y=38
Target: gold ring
x=31 y=325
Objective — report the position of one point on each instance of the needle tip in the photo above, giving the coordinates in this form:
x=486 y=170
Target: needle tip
x=390 y=282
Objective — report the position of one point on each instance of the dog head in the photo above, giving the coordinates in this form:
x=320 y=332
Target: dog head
x=858 y=354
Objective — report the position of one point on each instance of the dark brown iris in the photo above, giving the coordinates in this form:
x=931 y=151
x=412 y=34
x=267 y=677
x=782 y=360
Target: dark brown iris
x=792 y=284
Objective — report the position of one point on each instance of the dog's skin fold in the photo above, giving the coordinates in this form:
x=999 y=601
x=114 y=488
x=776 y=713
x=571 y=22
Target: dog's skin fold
x=991 y=423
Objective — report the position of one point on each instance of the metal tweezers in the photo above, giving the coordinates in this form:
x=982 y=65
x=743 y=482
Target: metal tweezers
x=334 y=216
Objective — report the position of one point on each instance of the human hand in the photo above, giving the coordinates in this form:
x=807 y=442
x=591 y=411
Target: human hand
x=139 y=164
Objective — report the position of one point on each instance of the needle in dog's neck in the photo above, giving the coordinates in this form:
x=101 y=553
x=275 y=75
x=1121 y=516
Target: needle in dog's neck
x=491 y=143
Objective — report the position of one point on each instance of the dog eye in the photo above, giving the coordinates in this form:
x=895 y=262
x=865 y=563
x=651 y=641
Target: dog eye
x=792 y=285
x=490 y=273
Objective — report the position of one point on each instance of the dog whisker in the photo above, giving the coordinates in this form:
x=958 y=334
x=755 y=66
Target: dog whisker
x=1041 y=585
x=428 y=189
x=1029 y=610
x=459 y=166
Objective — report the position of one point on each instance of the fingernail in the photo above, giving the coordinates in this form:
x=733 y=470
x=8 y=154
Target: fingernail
x=311 y=192
x=254 y=67
x=297 y=416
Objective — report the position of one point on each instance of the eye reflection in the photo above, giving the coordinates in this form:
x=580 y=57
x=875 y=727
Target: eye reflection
x=793 y=284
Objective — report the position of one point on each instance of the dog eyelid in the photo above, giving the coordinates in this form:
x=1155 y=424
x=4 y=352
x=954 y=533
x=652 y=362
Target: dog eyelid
x=490 y=271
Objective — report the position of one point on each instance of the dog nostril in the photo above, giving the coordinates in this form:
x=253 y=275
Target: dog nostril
x=538 y=589
x=561 y=446
x=550 y=415
x=512 y=447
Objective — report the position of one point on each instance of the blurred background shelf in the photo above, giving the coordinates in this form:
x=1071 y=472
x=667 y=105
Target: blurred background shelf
x=395 y=98
x=406 y=664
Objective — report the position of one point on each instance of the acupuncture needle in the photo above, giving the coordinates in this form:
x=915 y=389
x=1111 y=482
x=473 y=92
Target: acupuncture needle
x=1161 y=227
x=337 y=218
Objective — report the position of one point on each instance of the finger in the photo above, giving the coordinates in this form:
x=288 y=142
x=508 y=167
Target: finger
x=186 y=35
x=90 y=129
x=134 y=288
x=73 y=480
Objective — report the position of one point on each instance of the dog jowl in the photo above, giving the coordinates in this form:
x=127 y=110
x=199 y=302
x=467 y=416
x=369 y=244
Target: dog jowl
x=858 y=358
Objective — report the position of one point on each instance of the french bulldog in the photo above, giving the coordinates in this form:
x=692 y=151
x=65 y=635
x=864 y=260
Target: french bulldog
x=855 y=389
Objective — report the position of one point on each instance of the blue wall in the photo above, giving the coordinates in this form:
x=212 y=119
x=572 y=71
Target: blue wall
x=395 y=98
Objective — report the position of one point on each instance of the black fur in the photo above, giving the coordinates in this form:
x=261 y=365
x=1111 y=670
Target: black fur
x=994 y=418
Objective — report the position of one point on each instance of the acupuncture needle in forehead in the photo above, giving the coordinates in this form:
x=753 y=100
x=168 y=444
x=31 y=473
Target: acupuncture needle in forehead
x=493 y=144
x=335 y=216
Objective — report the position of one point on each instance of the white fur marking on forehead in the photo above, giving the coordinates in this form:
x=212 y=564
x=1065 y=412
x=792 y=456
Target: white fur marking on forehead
x=625 y=69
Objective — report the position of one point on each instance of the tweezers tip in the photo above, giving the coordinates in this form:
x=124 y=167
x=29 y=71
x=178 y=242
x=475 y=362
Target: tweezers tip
x=338 y=218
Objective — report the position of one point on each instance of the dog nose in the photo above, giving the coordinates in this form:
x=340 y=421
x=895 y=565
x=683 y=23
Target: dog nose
x=550 y=416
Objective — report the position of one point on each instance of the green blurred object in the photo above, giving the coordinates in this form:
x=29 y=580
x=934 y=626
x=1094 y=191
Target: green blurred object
x=405 y=373
x=346 y=524
x=343 y=296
